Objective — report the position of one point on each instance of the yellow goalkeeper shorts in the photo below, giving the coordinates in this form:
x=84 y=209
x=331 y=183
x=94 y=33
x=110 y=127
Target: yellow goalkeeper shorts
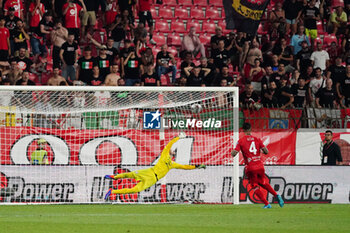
x=147 y=178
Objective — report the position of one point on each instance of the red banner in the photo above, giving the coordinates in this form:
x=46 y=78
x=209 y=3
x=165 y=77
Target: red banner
x=273 y=118
x=134 y=147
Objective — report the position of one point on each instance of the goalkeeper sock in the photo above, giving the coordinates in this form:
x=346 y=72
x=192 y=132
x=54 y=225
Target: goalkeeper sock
x=261 y=196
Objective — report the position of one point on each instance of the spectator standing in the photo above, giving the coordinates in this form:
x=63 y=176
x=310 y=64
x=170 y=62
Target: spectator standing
x=191 y=43
x=269 y=96
x=320 y=58
x=23 y=62
x=292 y=9
x=118 y=30
x=285 y=96
x=14 y=73
x=145 y=15
x=111 y=11
x=5 y=47
x=248 y=97
x=343 y=88
x=20 y=38
x=298 y=39
x=104 y=62
x=214 y=40
x=225 y=74
x=132 y=68
x=36 y=11
x=69 y=56
x=331 y=154
x=96 y=79
x=315 y=84
x=252 y=52
x=220 y=56
x=130 y=6
x=56 y=78
x=113 y=78
x=303 y=57
x=299 y=91
x=16 y=6
x=85 y=65
x=59 y=35
x=163 y=63
x=11 y=23
x=326 y=97
x=337 y=71
x=285 y=54
x=310 y=14
x=279 y=75
x=150 y=78
x=89 y=15
x=71 y=12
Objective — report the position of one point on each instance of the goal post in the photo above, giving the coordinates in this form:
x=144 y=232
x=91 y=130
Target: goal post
x=58 y=143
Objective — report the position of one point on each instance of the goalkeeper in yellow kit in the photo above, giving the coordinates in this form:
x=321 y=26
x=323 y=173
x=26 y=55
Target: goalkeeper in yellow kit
x=150 y=176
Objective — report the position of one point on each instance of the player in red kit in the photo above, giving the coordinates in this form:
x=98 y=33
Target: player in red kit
x=255 y=171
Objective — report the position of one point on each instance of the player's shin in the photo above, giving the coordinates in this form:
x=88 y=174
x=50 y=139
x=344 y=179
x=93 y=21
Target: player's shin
x=261 y=196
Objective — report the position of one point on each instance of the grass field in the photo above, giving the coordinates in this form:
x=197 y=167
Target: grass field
x=174 y=218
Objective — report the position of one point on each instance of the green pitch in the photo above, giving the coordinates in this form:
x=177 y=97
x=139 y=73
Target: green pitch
x=174 y=218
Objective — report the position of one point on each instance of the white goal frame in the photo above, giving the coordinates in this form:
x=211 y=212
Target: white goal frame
x=233 y=90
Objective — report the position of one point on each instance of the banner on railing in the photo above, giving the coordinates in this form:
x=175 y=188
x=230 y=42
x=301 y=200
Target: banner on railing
x=86 y=184
x=324 y=118
x=273 y=118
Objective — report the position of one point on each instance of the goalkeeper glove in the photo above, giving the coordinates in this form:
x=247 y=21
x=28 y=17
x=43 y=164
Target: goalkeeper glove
x=182 y=135
x=109 y=176
x=201 y=166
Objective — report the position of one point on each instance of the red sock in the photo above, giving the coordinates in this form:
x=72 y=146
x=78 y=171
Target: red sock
x=268 y=187
x=261 y=196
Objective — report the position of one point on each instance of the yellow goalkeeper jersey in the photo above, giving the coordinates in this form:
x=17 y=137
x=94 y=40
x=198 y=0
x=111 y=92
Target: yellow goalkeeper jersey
x=165 y=164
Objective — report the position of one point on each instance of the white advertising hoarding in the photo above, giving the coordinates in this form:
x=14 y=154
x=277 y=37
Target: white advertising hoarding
x=86 y=184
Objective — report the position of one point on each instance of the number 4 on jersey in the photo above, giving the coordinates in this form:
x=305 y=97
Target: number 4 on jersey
x=252 y=148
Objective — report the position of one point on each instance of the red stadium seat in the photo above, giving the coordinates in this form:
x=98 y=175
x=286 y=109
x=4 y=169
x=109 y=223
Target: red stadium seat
x=173 y=51
x=178 y=27
x=161 y=26
x=197 y=13
x=170 y=3
x=159 y=39
x=217 y=3
x=329 y=38
x=185 y=2
x=205 y=39
x=222 y=24
x=317 y=40
x=208 y=27
x=193 y=24
x=174 y=40
x=165 y=13
x=181 y=13
x=154 y=13
x=200 y=2
x=155 y=51
x=212 y=14
x=320 y=30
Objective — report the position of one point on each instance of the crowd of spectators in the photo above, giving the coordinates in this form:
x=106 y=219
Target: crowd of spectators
x=289 y=63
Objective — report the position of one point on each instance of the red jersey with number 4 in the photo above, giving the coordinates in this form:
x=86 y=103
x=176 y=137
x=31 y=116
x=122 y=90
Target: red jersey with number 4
x=250 y=147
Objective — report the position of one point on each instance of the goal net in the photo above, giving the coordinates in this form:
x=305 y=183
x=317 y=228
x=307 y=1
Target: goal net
x=58 y=143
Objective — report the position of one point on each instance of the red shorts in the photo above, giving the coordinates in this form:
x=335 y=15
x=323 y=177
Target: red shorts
x=256 y=177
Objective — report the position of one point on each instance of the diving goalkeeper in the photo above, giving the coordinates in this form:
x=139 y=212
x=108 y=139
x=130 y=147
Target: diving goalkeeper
x=150 y=176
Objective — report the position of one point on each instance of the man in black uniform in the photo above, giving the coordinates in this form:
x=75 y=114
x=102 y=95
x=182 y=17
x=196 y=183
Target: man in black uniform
x=331 y=151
